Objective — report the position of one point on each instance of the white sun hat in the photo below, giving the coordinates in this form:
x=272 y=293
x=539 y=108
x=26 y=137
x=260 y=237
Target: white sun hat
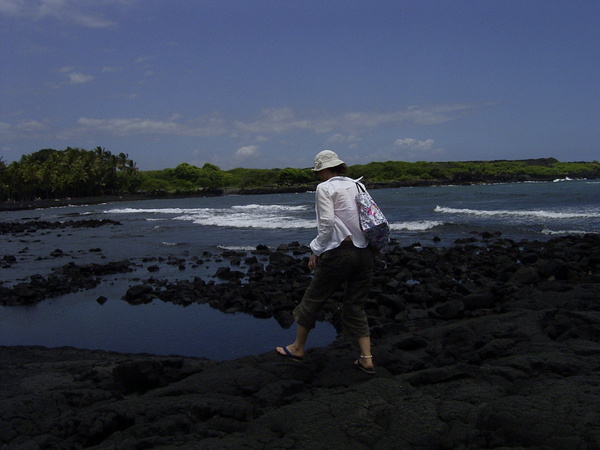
x=326 y=159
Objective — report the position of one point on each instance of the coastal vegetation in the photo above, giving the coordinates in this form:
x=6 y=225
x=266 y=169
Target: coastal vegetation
x=76 y=172
x=72 y=172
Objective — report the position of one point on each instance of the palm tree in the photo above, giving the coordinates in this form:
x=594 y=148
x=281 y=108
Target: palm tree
x=4 y=186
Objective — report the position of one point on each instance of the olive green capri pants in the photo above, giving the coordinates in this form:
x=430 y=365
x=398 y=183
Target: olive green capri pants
x=348 y=264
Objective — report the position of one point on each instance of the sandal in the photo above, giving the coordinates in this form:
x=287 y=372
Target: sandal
x=369 y=370
x=287 y=354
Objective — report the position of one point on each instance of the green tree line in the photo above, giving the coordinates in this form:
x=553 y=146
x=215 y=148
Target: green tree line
x=469 y=172
x=72 y=172
x=186 y=178
x=75 y=172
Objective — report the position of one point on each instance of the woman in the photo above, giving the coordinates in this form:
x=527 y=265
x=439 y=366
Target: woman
x=339 y=255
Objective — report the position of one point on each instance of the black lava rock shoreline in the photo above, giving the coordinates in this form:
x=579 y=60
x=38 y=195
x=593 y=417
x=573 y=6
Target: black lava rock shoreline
x=487 y=344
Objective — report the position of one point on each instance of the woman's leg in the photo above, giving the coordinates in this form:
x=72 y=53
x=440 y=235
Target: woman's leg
x=364 y=344
x=297 y=347
x=331 y=272
x=354 y=318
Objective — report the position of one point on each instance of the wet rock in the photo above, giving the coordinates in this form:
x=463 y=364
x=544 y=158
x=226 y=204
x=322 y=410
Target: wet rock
x=225 y=273
x=9 y=259
x=65 y=279
x=33 y=225
x=25 y=292
x=280 y=260
x=138 y=294
x=262 y=249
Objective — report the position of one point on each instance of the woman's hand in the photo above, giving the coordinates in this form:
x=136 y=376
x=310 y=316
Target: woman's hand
x=312 y=262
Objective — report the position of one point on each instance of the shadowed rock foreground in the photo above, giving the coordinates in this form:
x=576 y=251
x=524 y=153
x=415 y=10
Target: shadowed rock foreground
x=486 y=344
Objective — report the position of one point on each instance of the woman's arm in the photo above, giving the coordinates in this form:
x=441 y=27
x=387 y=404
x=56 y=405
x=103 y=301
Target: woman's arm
x=325 y=220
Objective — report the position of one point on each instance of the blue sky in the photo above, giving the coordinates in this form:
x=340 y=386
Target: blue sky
x=270 y=83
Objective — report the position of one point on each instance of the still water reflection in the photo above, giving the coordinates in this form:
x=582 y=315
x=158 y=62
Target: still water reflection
x=160 y=328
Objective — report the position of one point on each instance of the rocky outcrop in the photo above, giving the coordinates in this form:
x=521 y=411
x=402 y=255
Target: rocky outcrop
x=32 y=226
x=65 y=279
x=487 y=344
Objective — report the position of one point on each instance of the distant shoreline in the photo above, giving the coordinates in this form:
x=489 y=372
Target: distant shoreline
x=75 y=201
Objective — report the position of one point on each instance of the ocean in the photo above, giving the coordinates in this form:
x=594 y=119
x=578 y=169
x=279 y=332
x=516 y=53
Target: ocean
x=157 y=231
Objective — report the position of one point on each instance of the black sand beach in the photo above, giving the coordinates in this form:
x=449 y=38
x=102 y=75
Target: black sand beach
x=488 y=343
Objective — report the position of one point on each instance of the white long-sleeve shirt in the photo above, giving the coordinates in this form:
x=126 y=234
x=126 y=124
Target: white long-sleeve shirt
x=337 y=215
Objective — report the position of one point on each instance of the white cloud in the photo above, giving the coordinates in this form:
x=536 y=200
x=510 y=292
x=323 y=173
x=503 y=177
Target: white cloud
x=276 y=121
x=79 y=78
x=419 y=115
x=212 y=125
x=89 y=20
x=11 y=7
x=270 y=123
x=73 y=76
x=128 y=127
x=4 y=127
x=141 y=59
x=32 y=126
x=412 y=149
x=80 y=12
x=350 y=140
x=247 y=151
x=413 y=144
x=273 y=124
x=23 y=129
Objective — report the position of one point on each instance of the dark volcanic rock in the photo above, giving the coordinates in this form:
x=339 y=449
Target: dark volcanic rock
x=34 y=225
x=9 y=259
x=476 y=346
x=68 y=278
x=140 y=293
x=57 y=253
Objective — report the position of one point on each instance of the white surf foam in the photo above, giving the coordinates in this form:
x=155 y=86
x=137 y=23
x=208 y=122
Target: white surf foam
x=562 y=232
x=539 y=214
x=415 y=226
x=239 y=216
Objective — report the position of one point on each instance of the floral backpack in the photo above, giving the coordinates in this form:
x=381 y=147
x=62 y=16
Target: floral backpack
x=372 y=221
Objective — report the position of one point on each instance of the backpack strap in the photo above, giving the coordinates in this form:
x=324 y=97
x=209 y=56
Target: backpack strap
x=359 y=185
